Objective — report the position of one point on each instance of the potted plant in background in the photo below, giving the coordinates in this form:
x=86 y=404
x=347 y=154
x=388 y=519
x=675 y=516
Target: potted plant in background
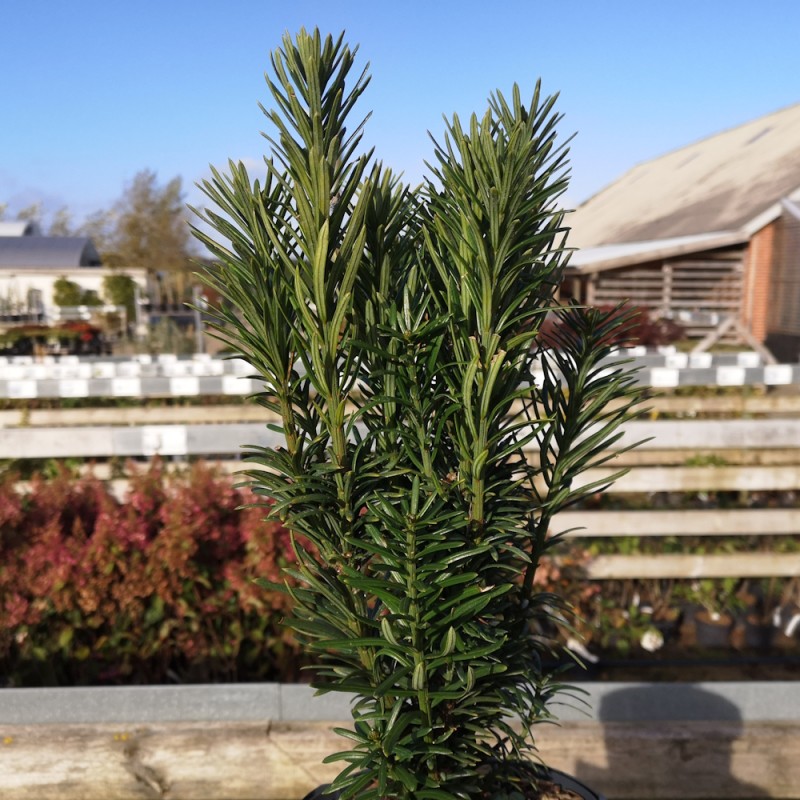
x=760 y=603
x=717 y=603
x=769 y=611
x=786 y=616
x=397 y=335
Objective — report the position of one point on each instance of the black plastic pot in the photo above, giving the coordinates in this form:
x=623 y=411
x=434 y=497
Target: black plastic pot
x=758 y=635
x=669 y=627
x=573 y=785
x=710 y=632
x=559 y=778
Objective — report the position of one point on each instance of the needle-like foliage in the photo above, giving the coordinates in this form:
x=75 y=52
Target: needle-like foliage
x=397 y=335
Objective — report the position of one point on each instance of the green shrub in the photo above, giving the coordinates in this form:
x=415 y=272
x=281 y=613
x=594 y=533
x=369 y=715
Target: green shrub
x=398 y=336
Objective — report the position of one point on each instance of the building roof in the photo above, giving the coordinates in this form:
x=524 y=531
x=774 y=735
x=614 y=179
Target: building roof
x=23 y=227
x=47 y=252
x=721 y=183
x=612 y=256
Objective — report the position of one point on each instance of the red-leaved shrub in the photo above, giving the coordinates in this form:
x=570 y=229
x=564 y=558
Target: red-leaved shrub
x=159 y=588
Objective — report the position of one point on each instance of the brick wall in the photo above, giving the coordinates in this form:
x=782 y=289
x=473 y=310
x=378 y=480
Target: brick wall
x=757 y=281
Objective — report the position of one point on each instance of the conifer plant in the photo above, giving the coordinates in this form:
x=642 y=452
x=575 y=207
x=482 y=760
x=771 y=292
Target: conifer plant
x=430 y=428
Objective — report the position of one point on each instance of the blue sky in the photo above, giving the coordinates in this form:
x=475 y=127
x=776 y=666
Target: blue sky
x=93 y=92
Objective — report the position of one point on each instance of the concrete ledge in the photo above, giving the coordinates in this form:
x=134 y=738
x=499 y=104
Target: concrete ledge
x=756 y=701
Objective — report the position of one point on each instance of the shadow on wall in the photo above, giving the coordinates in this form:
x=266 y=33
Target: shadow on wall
x=685 y=750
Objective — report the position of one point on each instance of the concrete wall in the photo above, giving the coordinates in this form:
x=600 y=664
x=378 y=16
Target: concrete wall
x=755 y=701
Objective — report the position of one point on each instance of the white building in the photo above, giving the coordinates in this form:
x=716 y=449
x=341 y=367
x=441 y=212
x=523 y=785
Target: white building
x=31 y=264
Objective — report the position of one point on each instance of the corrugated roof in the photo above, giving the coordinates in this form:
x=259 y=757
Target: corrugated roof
x=717 y=184
x=611 y=256
x=47 y=252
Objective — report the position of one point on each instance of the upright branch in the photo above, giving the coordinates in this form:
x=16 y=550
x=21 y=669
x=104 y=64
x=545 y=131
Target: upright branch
x=496 y=241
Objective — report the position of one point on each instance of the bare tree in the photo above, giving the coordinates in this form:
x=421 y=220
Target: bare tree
x=147 y=228
x=61 y=223
x=151 y=232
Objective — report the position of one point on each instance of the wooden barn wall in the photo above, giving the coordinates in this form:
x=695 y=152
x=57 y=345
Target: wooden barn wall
x=709 y=285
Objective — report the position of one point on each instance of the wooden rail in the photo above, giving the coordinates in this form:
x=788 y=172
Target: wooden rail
x=781 y=522
x=685 y=565
x=683 y=522
x=659 y=406
x=642 y=479
x=765 y=455
x=110 y=441
x=283 y=761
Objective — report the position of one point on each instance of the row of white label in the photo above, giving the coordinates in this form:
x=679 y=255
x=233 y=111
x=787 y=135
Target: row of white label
x=772 y=375
x=675 y=360
x=188 y=385
x=68 y=367
x=84 y=370
x=129 y=387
